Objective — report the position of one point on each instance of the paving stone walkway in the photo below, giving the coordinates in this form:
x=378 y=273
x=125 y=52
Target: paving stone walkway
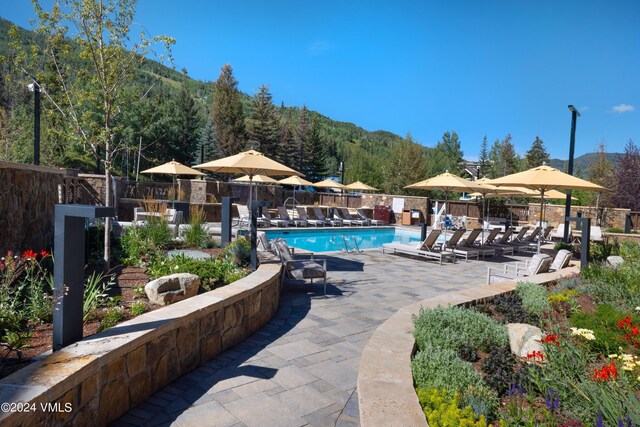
x=301 y=368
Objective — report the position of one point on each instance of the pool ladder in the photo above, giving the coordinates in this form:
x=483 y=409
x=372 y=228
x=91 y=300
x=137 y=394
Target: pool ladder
x=345 y=246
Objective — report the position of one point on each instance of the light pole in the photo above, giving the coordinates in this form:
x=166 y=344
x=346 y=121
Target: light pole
x=341 y=170
x=35 y=88
x=572 y=145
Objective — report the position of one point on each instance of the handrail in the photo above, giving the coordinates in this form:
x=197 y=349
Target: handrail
x=346 y=246
x=295 y=203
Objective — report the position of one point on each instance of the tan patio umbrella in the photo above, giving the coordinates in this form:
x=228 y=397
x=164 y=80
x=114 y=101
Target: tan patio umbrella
x=328 y=183
x=446 y=182
x=543 y=179
x=489 y=190
x=258 y=178
x=295 y=181
x=173 y=168
x=358 y=185
x=251 y=163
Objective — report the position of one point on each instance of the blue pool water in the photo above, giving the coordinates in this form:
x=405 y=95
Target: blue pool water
x=319 y=240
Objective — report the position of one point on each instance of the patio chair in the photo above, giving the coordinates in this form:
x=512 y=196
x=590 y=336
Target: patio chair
x=518 y=237
x=273 y=221
x=538 y=264
x=344 y=215
x=264 y=244
x=300 y=269
x=595 y=234
x=452 y=245
x=302 y=214
x=244 y=218
x=530 y=242
x=558 y=233
x=502 y=244
x=320 y=216
x=363 y=217
x=284 y=215
x=427 y=248
x=561 y=260
x=470 y=242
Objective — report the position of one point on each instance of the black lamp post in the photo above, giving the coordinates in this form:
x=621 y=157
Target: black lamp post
x=572 y=145
x=35 y=88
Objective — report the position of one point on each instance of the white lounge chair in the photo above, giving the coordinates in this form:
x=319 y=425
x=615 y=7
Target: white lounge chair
x=558 y=233
x=273 y=221
x=595 y=234
x=363 y=217
x=302 y=214
x=344 y=215
x=539 y=263
x=244 y=217
x=333 y=221
x=452 y=245
x=284 y=215
x=427 y=248
x=502 y=244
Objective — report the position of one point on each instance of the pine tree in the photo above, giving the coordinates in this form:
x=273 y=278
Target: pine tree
x=226 y=113
x=627 y=179
x=508 y=157
x=537 y=154
x=300 y=138
x=263 y=124
x=315 y=153
x=406 y=164
x=287 y=152
x=187 y=127
x=208 y=144
x=483 y=158
x=449 y=153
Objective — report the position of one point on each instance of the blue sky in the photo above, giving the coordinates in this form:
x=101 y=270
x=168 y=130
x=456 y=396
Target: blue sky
x=477 y=67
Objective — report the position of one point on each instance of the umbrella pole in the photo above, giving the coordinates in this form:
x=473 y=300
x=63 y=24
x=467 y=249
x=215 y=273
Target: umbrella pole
x=250 y=198
x=541 y=215
x=173 y=202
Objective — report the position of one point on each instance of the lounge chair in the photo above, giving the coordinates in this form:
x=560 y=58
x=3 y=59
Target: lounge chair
x=264 y=244
x=501 y=244
x=345 y=216
x=273 y=221
x=426 y=248
x=558 y=233
x=244 y=219
x=363 y=217
x=529 y=242
x=561 y=260
x=595 y=234
x=300 y=269
x=451 y=245
x=539 y=263
x=302 y=214
x=320 y=216
x=518 y=237
x=284 y=215
x=470 y=242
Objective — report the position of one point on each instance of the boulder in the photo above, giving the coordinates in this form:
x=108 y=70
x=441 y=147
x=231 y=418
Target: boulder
x=169 y=289
x=524 y=339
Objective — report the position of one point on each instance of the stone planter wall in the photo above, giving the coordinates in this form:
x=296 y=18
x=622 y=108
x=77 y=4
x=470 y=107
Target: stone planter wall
x=386 y=396
x=103 y=376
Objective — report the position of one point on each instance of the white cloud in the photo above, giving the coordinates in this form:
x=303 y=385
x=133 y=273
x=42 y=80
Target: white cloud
x=622 y=108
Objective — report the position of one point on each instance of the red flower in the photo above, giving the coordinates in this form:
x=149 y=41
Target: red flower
x=535 y=356
x=624 y=323
x=44 y=253
x=551 y=339
x=608 y=372
x=29 y=254
x=634 y=330
x=1 y=266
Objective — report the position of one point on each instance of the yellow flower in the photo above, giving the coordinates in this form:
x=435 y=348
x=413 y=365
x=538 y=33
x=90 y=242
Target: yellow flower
x=613 y=356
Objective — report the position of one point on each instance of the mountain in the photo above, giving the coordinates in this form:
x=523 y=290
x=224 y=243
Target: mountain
x=165 y=83
x=582 y=163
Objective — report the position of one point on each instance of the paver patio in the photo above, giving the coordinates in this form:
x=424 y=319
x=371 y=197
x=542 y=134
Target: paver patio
x=301 y=368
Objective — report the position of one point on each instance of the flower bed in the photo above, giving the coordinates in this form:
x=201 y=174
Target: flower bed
x=585 y=372
x=26 y=287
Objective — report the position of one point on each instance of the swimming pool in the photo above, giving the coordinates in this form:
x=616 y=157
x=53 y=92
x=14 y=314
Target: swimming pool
x=320 y=240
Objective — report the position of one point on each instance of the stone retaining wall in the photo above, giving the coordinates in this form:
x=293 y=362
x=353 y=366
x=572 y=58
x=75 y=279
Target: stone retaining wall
x=386 y=396
x=105 y=375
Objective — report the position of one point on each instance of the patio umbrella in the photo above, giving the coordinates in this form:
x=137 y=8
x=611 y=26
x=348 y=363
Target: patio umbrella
x=173 y=168
x=543 y=179
x=329 y=183
x=491 y=190
x=251 y=163
x=263 y=179
x=358 y=185
x=446 y=182
x=295 y=181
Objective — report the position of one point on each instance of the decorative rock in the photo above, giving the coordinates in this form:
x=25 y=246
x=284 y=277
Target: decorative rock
x=173 y=288
x=524 y=339
x=615 y=261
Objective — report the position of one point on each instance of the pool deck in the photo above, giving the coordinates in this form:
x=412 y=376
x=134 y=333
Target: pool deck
x=301 y=368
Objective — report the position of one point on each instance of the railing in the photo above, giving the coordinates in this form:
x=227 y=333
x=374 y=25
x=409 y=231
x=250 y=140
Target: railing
x=295 y=203
x=345 y=246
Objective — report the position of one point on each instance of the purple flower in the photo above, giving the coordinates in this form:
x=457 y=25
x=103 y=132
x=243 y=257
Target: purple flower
x=599 y=421
x=552 y=400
